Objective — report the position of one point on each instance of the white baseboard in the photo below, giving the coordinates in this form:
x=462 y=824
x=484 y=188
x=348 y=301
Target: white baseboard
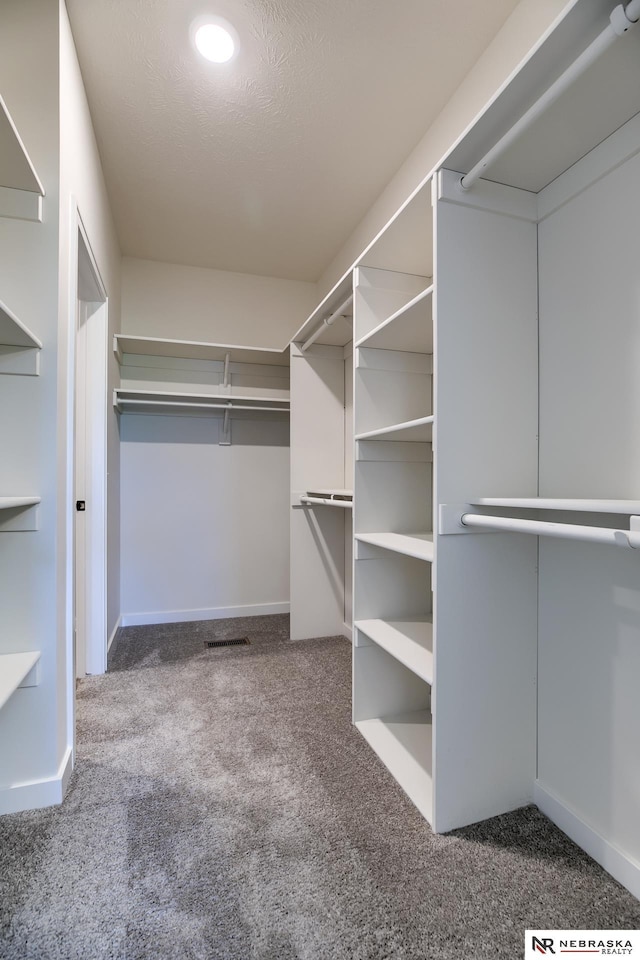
x=113 y=633
x=208 y=613
x=38 y=793
x=347 y=629
x=620 y=865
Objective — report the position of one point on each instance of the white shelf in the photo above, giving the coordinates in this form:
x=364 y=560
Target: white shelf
x=403 y=743
x=196 y=350
x=409 y=641
x=10 y=503
x=14 y=668
x=145 y=401
x=628 y=507
x=17 y=172
x=409 y=329
x=417 y=545
x=13 y=333
x=416 y=431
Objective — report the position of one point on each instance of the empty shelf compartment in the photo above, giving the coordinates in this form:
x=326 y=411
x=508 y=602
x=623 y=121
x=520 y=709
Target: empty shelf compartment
x=409 y=641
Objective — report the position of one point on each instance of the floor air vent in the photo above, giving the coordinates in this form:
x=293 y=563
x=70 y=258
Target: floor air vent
x=235 y=642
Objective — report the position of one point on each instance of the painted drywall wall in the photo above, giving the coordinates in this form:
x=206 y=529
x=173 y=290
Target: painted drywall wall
x=193 y=303
x=530 y=20
x=32 y=723
x=205 y=528
x=82 y=181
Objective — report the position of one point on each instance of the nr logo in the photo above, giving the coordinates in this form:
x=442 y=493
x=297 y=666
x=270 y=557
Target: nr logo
x=544 y=945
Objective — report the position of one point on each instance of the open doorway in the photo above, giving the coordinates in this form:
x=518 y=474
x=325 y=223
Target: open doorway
x=90 y=464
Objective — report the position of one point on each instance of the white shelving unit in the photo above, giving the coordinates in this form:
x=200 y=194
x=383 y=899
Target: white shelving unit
x=322 y=469
x=192 y=378
x=394 y=551
x=21 y=193
x=17 y=670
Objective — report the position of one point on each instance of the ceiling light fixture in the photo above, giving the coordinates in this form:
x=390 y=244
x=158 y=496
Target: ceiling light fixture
x=215 y=40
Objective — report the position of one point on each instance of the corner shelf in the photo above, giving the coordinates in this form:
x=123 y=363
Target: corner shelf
x=14 y=670
x=403 y=743
x=409 y=641
x=196 y=350
x=409 y=329
x=415 y=431
x=417 y=545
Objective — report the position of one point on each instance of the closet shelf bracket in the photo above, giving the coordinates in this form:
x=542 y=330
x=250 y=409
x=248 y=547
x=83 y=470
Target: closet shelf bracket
x=225 y=433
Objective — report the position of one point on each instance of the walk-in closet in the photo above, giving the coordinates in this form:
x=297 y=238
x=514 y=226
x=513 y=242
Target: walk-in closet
x=319 y=414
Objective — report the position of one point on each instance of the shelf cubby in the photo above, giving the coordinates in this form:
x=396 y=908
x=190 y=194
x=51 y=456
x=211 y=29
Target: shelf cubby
x=409 y=329
x=403 y=743
x=408 y=641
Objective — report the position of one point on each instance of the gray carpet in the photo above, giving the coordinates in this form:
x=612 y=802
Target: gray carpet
x=223 y=808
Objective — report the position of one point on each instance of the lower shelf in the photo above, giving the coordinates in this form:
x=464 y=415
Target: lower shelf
x=409 y=641
x=14 y=668
x=403 y=743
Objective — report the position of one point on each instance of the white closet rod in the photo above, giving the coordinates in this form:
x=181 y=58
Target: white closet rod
x=201 y=406
x=565 y=531
x=345 y=504
x=620 y=21
x=340 y=312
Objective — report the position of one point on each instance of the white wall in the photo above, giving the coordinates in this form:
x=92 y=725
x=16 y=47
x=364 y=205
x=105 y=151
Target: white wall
x=526 y=25
x=82 y=178
x=589 y=657
x=205 y=528
x=193 y=303
x=32 y=724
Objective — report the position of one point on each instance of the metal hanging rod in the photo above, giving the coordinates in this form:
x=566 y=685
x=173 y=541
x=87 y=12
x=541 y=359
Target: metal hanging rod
x=340 y=312
x=565 y=531
x=622 y=19
x=326 y=502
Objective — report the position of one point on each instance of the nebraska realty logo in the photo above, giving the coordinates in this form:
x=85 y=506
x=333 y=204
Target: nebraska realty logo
x=582 y=943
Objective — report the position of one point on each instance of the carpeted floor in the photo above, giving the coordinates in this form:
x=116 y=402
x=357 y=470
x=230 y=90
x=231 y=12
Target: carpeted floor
x=223 y=808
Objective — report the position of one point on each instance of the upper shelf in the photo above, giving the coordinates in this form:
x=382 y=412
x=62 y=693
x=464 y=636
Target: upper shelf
x=204 y=404
x=17 y=172
x=196 y=350
x=628 y=507
x=409 y=329
x=13 y=333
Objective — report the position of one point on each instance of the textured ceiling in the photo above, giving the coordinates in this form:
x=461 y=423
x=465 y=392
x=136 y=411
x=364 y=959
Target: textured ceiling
x=267 y=164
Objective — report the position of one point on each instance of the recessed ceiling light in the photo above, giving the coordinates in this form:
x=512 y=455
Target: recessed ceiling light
x=215 y=42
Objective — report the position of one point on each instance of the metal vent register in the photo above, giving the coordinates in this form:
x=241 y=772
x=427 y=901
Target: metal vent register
x=234 y=642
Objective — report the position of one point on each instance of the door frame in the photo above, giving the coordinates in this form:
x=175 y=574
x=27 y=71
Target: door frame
x=85 y=278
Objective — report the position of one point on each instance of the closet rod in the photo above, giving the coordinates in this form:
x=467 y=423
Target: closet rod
x=345 y=504
x=620 y=21
x=565 y=531
x=201 y=406
x=340 y=312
